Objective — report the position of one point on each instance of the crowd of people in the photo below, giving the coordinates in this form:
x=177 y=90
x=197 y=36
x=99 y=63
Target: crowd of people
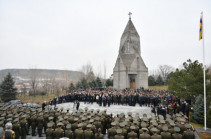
x=18 y=122
x=162 y=102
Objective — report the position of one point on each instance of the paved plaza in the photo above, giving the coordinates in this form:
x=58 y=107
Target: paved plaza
x=114 y=109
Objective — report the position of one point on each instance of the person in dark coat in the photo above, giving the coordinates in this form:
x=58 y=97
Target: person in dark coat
x=43 y=105
x=187 y=108
x=77 y=104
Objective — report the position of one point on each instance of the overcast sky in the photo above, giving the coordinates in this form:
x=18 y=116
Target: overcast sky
x=66 y=34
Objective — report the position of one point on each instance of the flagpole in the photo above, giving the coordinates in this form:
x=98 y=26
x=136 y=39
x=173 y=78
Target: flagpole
x=205 y=108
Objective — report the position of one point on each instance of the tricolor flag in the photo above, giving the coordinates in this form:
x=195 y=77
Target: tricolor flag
x=200 y=30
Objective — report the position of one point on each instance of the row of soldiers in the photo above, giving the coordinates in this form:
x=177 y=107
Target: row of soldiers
x=92 y=124
x=176 y=127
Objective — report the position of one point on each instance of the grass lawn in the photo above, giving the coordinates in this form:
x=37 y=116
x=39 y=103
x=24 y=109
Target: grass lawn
x=158 y=87
x=37 y=99
x=201 y=135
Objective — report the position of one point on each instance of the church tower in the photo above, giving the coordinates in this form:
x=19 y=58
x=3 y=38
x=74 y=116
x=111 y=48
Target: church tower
x=130 y=70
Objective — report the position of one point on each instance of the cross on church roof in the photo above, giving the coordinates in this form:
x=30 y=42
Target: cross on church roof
x=129 y=15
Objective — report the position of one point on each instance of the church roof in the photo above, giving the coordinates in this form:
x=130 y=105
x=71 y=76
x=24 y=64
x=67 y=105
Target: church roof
x=130 y=29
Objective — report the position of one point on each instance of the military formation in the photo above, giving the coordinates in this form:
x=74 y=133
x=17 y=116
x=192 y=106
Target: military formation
x=90 y=124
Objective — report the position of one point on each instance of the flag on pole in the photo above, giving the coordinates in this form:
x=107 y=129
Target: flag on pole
x=200 y=30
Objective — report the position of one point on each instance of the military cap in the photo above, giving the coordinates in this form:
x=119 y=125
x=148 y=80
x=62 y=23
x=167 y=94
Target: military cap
x=66 y=117
x=98 y=110
x=83 y=119
x=2 y=118
x=89 y=117
x=155 y=124
x=89 y=125
x=86 y=108
x=143 y=124
x=188 y=126
x=40 y=114
x=127 y=119
x=2 y=133
x=113 y=123
x=49 y=124
x=145 y=119
x=172 y=123
x=80 y=125
x=132 y=127
x=165 y=128
x=145 y=129
x=61 y=119
x=176 y=129
x=59 y=124
x=91 y=121
x=129 y=113
x=99 y=129
x=68 y=126
x=68 y=114
x=3 y=115
x=97 y=118
x=152 y=121
x=135 y=121
x=76 y=119
x=121 y=124
x=154 y=129
x=16 y=116
x=119 y=131
x=60 y=116
x=50 y=118
x=16 y=120
x=122 y=114
x=162 y=122
x=144 y=115
x=24 y=116
x=9 y=115
x=9 y=119
x=1 y=122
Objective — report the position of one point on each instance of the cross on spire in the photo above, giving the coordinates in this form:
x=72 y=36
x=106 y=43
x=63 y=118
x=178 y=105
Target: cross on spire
x=129 y=15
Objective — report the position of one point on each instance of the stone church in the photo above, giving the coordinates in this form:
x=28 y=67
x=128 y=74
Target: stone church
x=130 y=70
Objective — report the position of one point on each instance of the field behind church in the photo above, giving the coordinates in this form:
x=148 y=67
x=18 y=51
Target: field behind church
x=164 y=87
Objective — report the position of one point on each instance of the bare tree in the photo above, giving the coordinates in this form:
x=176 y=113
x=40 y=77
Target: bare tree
x=165 y=70
x=104 y=70
x=88 y=72
x=33 y=75
x=65 y=80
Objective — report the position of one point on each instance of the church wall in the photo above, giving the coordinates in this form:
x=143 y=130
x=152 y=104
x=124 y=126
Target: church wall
x=142 y=80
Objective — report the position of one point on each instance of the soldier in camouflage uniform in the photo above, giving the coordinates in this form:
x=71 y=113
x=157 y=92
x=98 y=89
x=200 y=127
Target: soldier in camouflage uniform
x=88 y=134
x=69 y=132
x=79 y=133
x=119 y=134
x=17 y=128
x=144 y=134
x=165 y=134
x=177 y=134
x=59 y=132
x=49 y=131
x=99 y=135
x=40 y=122
x=188 y=134
x=24 y=127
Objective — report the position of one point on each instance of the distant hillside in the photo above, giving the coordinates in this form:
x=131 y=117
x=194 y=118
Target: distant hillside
x=43 y=73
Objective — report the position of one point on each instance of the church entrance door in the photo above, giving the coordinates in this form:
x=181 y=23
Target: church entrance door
x=132 y=83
